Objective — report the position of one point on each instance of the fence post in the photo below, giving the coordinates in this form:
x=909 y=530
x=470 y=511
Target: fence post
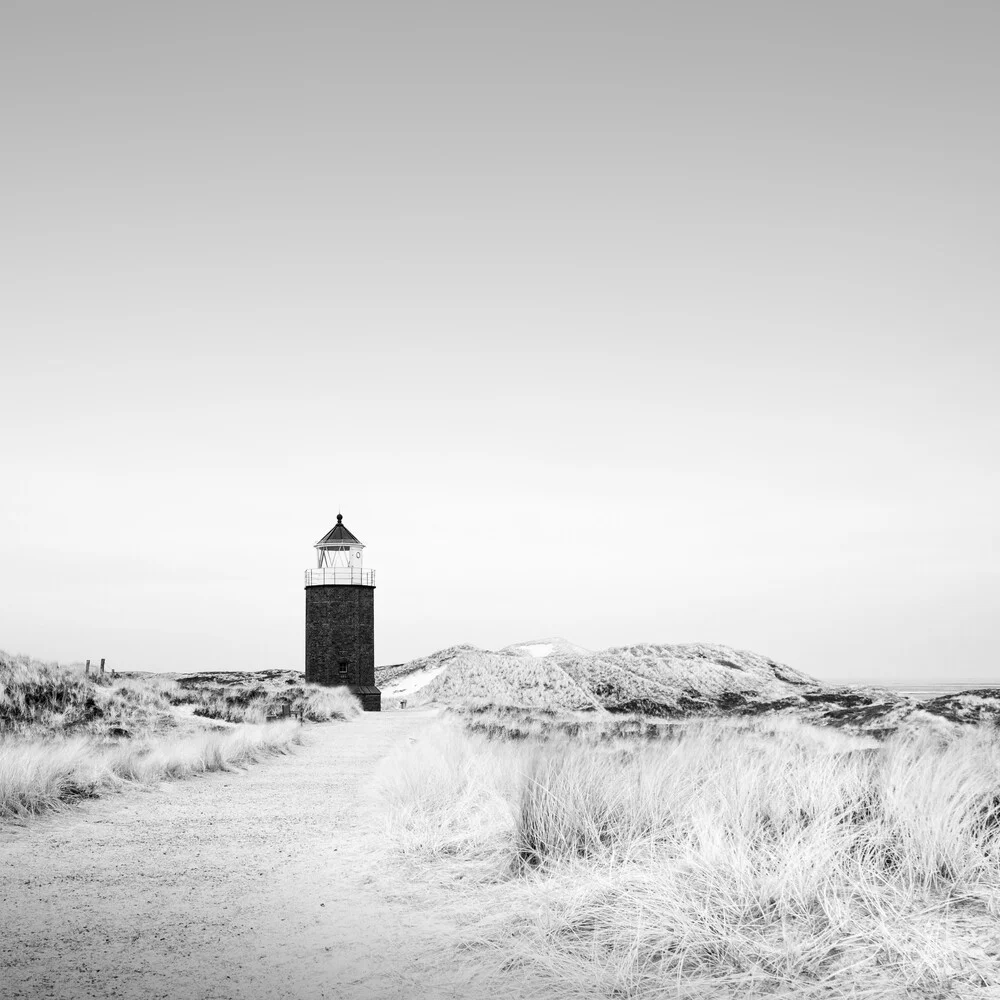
x=86 y=669
x=102 y=664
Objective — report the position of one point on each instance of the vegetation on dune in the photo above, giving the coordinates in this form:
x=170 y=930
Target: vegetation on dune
x=758 y=857
x=675 y=682
x=395 y=671
x=45 y=698
x=40 y=774
x=323 y=704
x=257 y=697
x=505 y=679
x=628 y=672
x=658 y=680
x=65 y=734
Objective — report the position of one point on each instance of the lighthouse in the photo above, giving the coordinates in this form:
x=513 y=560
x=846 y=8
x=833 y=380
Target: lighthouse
x=340 y=617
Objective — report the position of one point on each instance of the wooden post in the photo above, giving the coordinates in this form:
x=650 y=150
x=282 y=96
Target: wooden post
x=102 y=664
x=86 y=669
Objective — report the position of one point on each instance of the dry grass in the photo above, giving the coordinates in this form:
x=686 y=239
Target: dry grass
x=732 y=861
x=65 y=735
x=258 y=698
x=323 y=704
x=45 y=698
x=38 y=698
x=229 y=706
x=42 y=774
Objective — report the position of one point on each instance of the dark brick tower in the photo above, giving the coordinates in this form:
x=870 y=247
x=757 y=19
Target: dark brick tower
x=340 y=618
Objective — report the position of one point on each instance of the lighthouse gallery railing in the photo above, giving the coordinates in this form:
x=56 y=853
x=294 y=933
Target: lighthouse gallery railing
x=340 y=575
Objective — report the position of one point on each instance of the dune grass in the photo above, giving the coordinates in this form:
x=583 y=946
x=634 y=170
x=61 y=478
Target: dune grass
x=763 y=860
x=66 y=735
x=257 y=703
x=46 y=698
x=43 y=774
x=40 y=697
x=324 y=704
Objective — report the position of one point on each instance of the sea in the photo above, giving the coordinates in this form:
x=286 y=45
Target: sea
x=924 y=691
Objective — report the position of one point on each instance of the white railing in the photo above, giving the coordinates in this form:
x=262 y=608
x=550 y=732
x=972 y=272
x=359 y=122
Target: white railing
x=340 y=575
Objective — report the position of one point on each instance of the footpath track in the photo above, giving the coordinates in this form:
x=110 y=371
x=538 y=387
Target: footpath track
x=231 y=886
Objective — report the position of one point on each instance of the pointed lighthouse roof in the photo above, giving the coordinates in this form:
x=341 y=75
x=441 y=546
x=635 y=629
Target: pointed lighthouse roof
x=339 y=535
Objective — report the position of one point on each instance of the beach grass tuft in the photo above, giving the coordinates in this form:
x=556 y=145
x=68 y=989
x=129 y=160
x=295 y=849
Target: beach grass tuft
x=757 y=859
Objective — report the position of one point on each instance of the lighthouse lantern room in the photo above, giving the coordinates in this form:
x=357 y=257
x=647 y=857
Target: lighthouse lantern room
x=340 y=558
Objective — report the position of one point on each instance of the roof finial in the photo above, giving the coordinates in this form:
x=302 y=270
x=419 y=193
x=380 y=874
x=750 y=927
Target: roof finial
x=340 y=517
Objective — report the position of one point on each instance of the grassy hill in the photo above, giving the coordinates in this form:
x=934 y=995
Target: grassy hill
x=506 y=679
x=665 y=681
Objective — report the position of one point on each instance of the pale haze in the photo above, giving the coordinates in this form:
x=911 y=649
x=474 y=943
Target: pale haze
x=622 y=322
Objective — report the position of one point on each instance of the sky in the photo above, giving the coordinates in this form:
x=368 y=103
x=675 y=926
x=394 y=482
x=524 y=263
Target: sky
x=626 y=322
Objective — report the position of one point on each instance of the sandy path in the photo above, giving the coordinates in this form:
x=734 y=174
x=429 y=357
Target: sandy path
x=252 y=885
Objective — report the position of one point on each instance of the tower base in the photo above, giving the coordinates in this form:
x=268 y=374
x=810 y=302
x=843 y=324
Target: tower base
x=369 y=696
